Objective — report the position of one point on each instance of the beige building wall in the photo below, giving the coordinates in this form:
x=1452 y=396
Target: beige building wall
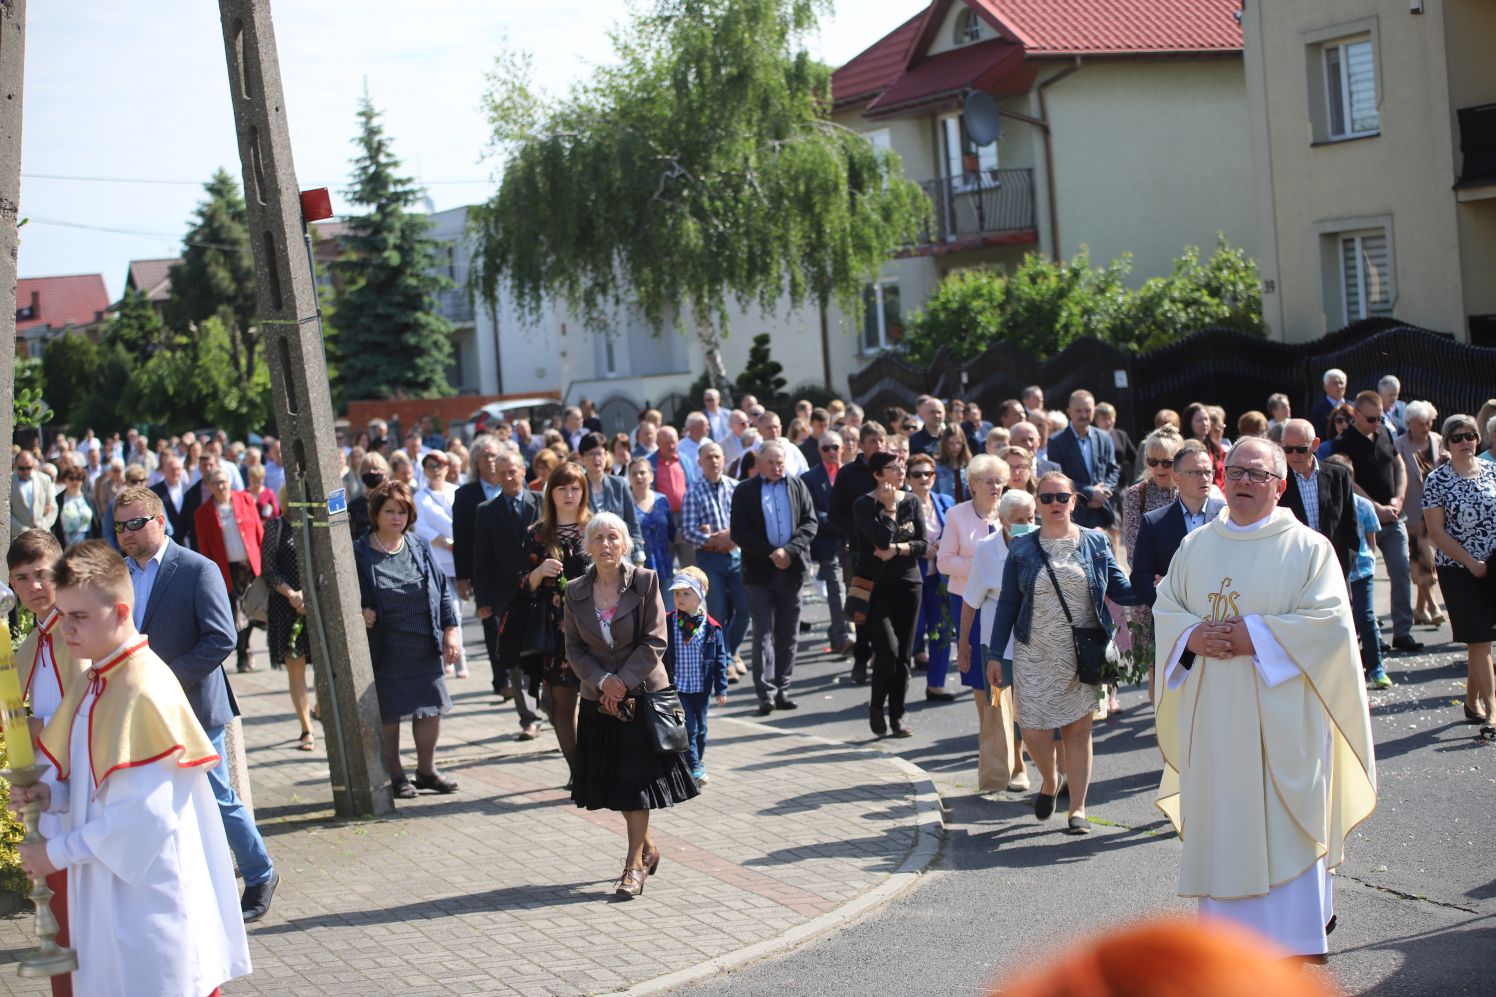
x=1399 y=179
x=1149 y=156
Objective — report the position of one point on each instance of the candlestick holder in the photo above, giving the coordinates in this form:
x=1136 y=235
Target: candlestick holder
x=50 y=959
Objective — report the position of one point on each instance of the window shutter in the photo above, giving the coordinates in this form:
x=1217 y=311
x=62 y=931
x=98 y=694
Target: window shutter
x=1376 y=270
x=1350 y=268
x=1362 y=81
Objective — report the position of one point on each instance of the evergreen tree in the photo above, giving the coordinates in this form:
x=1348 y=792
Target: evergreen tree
x=390 y=340
x=216 y=277
x=136 y=326
x=760 y=376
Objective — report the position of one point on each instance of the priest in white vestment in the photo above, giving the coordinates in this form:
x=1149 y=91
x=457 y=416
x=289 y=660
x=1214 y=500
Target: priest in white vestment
x=1263 y=721
x=154 y=908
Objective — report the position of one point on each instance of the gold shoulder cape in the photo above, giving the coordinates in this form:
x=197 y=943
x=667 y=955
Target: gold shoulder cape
x=140 y=715
x=68 y=667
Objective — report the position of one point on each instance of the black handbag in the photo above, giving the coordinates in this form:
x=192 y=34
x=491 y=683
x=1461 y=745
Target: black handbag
x=1096 y=658
x=662 y=710
x=539 y=634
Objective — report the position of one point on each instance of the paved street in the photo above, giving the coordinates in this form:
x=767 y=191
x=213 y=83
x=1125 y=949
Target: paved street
x=798 y=870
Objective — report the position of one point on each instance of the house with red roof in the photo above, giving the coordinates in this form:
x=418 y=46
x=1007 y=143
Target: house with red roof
x=48 y=307
x=1123 y=128
x=152 y=278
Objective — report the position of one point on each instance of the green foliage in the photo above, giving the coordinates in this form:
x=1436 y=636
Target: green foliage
x=191 y=383
x=760 y=376
x=12 y=879
x=390 y=341
x=29 y=406
x=1043 y=306
x=701 y=167
x=216 y=278
x=136 y=326
x=84 y=381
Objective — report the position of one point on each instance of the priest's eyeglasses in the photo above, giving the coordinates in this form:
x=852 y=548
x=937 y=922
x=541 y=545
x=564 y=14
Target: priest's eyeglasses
x=1256 y=475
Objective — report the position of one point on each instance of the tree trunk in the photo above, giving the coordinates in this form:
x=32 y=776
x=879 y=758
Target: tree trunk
x=711 y=351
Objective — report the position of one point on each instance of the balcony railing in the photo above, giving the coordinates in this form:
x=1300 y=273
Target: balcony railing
x=455 y=305
x=977 y=204
x=1478 y=143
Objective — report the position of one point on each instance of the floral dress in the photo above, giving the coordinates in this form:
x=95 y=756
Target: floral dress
x=1137 y=501
x=551 y=668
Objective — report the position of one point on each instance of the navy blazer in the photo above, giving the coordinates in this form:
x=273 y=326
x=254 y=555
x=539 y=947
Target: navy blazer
x=1337 y=509
x=464 y=511
x=618 y=499
x=180 y=525
x=441 y=605
x=1159 y=536
x=1064 y=450
x=751 y=534
x=498 y=549
x=829 y=540
x=191 y=627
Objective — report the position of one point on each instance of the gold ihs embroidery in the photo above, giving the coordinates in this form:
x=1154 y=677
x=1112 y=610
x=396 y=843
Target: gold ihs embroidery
x=1223 y=602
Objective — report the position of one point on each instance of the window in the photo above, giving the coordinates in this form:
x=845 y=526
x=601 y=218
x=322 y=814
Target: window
x=968 y=27
x=1350 y=90
x=967 y=164
x=882 y=321
x=1365 y=274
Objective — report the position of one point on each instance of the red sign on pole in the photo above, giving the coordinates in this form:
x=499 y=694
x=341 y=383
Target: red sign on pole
x=316 y=204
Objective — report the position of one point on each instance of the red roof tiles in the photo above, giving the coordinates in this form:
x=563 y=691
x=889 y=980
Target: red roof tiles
x=996 y=66
x=1116 y=27
x=152 y=278
x=876 y=67
x=57 y=302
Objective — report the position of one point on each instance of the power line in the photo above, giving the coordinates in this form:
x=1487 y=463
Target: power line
x=32 y=219
x=196 y=183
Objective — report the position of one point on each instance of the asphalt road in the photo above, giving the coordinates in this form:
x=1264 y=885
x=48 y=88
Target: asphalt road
x=1416 y=899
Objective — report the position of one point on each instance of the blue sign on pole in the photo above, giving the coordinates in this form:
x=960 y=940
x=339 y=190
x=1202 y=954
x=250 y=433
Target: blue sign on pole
x=337 y=502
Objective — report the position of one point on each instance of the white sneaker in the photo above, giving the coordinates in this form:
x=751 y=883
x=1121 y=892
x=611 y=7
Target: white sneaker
x=1019 y=783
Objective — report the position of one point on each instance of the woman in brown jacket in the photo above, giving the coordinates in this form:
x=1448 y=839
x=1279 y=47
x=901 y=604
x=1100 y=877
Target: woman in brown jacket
x=615 y=642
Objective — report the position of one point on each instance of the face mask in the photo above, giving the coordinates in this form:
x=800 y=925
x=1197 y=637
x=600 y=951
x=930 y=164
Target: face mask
x=1021 y=529
x=372 y=480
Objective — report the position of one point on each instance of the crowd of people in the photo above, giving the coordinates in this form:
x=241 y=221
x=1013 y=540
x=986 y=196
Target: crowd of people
x=616 y=577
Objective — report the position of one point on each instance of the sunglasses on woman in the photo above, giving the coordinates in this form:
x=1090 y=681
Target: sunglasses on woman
x=1462 y=437
x=920 y=474
x=1049 y=498
x=1160 y=462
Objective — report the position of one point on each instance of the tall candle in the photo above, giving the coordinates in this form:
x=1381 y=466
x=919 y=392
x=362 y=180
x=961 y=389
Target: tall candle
x=13 y=705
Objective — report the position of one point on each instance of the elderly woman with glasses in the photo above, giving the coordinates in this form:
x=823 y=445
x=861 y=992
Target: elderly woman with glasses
x=1054 y=579
x=229 y=533
x=1421 y=450
x=935 y=629
x=1155 y=489
x=1459 y=512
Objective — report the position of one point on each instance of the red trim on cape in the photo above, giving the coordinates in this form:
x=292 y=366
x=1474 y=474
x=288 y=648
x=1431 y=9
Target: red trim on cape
x=209 y=760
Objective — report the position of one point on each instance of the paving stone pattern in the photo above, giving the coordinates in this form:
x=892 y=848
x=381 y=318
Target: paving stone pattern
x=503 y=887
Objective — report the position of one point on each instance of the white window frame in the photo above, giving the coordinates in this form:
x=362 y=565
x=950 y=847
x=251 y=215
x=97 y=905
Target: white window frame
x=988 y=160
x=1359 y=254
x=876 y=306
x=969 y=28
x=1341 y=79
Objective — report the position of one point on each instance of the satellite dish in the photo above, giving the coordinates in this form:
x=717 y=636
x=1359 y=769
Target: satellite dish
x=980 y=115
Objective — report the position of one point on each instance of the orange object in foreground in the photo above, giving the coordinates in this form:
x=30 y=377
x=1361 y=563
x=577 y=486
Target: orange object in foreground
x=1173 y=958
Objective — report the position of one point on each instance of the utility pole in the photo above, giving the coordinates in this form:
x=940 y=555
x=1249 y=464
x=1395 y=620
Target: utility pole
x=12 y=73
x=291 y=334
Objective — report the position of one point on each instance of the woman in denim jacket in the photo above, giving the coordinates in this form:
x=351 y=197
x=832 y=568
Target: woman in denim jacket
x=1047 y=693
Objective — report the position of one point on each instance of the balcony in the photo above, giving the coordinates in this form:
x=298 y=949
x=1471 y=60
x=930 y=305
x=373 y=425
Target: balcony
x=989 y=208
x=455 y=305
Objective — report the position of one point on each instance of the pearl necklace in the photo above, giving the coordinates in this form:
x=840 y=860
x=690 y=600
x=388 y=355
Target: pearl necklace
x=374 y=539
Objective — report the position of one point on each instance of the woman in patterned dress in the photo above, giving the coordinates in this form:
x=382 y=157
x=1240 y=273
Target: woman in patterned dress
x=554 y=554
x=656 y=521
x=281 y=566
x=1154 y=490
x=1047 y=692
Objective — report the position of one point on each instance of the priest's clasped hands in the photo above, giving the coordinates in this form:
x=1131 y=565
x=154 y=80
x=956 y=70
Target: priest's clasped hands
x=33 y=854
x=1227 y=638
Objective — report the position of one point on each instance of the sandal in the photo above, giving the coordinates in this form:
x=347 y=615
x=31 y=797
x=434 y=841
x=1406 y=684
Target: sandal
x=1471 y=717
x=403 y=789
x=436 y=781
x=1488 y=734
x=306 y=742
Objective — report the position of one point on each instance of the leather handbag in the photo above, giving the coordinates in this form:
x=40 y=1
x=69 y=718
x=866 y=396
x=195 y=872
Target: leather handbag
x=666 y=718
x=1096 y=657
x=859 y=599
x=256 y=601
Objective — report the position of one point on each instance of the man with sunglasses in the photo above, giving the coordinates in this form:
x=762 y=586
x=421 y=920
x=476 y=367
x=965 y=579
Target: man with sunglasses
x=829 y=543
x=1262 y=716
x=33 y=503
x=1319 y=495
x=1163 y=530
x=1382 y=477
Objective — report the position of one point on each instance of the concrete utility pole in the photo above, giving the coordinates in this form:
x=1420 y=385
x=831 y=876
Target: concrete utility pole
x=12 y=72
x=291 y=332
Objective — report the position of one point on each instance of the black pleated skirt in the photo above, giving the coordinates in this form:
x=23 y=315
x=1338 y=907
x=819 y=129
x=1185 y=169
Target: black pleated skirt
x=616 y=767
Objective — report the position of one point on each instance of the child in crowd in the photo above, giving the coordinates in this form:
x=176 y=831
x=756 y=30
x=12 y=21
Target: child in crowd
x=695 y=660
x=155 y=908
x=45 y=668
x=1361 y=579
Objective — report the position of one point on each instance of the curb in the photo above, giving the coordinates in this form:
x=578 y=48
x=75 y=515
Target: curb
x=929 y=819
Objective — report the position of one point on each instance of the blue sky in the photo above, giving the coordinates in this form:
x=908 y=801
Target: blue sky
x=130 y=90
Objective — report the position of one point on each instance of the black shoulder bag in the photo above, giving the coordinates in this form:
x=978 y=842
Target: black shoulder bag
x=662 y=708
x=1095 y=655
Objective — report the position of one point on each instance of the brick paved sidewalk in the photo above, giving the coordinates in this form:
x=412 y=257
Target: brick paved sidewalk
x=503 y=887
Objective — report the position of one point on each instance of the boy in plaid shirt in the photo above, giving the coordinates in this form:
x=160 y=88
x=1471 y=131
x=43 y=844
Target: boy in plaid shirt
x=696 y=661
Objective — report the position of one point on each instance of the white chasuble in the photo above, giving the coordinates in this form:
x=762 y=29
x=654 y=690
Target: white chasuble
x=1268 y=762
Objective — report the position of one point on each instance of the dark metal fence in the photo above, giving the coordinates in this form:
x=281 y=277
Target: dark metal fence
x=979 y=203
x=1219 y=366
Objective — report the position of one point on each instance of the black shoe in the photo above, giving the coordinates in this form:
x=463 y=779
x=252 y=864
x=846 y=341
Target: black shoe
x=1407 y=644
x=875 y=720
x=901 y=729
x=255 y=903
x=1387 y=648
x=1044 y=806
x=806 y=626
x=1332 y=924
x=784 y=702
x=765 y=708
x=1471 y=717
x=859 y=676
x=939 y=695
x=1077 y=825
x=435 y=781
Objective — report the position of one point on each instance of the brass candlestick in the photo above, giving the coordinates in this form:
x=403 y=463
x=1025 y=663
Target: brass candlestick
x=50 y=959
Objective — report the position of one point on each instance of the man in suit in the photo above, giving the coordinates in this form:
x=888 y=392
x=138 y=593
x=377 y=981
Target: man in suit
x=926 y=439
x=33 y=499
x=182 y=606
x=826 y=548
x=853 y=481
x=179 y=499
x=1163 y=530
x=773 y=522
x=1320 y=495
x=497 y=544
x=1325 y=406
x=1025 y=434
x=481 y=486
x=1089 y=459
